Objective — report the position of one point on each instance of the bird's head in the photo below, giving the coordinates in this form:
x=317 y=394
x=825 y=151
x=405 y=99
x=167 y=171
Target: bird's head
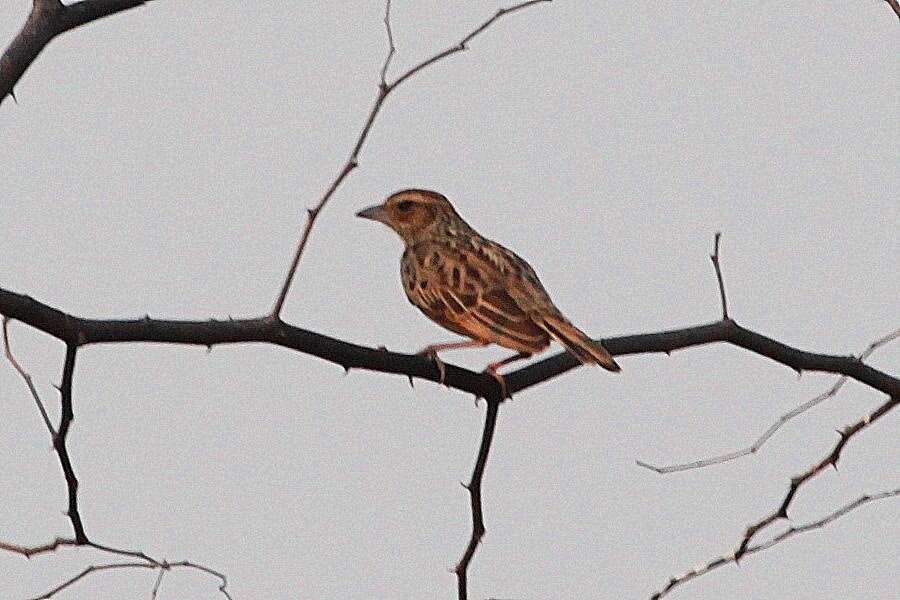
x=416 y=215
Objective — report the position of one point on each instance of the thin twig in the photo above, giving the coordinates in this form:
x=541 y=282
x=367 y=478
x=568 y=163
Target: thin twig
x=163 y=567
x=124 y=552
x=27 y=377
x=474 y=487
x=384 y=90
x=831 y=459
x=714 y=257
x=146 y=561
x=391 y=48
x=92 y=569
x=29 y=551
x=782 y=420
x=155 y=592
x=789 y=533
x=192 y=565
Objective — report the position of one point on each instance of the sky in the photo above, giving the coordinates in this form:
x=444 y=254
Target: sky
x=160 y=162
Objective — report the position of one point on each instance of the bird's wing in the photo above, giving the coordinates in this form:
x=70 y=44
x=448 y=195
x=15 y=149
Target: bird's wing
x=465 y=290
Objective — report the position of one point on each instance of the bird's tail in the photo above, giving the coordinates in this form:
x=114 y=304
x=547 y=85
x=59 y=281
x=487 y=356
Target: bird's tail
x=577 y=342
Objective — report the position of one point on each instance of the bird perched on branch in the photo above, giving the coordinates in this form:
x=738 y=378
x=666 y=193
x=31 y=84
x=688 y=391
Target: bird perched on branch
x=474 y=286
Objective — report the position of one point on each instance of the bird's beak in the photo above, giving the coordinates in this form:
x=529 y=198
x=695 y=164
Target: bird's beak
x=375 y=213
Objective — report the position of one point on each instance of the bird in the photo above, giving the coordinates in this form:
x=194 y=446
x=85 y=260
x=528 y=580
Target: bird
x=475 y=287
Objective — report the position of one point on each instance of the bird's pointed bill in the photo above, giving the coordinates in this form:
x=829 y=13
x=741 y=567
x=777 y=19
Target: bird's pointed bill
x=375 y=213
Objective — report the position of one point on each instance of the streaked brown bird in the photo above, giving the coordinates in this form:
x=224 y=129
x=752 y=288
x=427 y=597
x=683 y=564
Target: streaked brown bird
x=474 y=286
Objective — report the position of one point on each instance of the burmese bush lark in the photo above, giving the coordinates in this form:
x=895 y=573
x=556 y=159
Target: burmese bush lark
x=474 y=286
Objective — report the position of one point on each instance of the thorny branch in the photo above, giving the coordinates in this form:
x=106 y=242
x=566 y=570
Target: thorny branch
x=48 y=19
x=384 y=90
x=67 y=415
x=830 y=460
x=774 y=427
x=789 y=533
x=78 y=332
x=85 y=332
x=474 y=487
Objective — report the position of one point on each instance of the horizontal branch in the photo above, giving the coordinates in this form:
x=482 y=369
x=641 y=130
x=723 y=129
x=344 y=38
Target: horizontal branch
x=78 y=331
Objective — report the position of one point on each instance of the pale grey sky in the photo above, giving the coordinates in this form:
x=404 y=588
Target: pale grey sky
x=160 y=161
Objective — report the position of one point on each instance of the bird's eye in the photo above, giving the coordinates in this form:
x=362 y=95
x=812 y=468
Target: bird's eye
x=405 y=206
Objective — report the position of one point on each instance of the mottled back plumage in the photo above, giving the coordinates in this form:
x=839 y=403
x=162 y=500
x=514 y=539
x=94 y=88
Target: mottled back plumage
x=474 y=286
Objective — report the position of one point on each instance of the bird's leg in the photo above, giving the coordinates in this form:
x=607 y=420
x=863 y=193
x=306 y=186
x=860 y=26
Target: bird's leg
x=492 y=370
x=432 y=350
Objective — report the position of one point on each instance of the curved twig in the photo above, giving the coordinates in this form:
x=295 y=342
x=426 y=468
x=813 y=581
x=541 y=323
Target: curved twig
x=26 y=376
x=87 y=571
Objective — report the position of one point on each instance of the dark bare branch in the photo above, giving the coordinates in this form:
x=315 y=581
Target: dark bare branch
x=81 y=332
x=67 y=415
x=768 y=433
x=474 y=487
x=384 y=90
x=48 y=19
x=787 y=534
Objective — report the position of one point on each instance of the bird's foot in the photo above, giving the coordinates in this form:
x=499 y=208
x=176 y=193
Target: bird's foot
x=431 y=353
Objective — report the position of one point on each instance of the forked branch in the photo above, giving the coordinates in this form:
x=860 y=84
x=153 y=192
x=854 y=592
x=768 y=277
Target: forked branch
x=48 y=19
x=830 y=460
x=787 y=534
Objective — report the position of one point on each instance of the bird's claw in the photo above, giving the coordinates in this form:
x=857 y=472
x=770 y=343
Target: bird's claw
x=441 y=367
